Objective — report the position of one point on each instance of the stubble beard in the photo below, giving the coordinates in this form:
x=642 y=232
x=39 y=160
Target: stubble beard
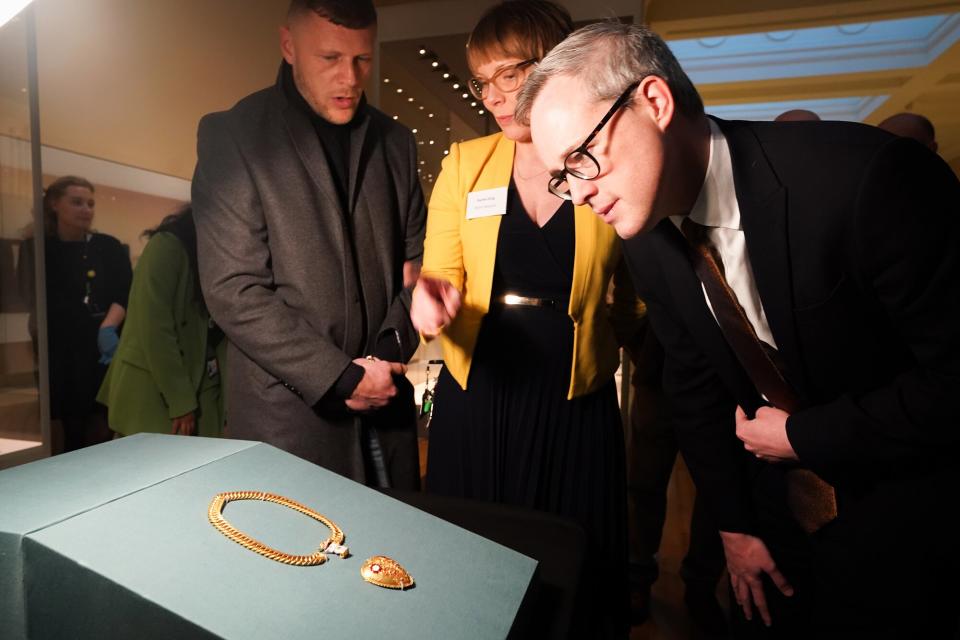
x=316 y=105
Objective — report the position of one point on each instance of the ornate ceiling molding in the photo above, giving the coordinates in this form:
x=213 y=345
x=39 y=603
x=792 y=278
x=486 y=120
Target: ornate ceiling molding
x=818 y=51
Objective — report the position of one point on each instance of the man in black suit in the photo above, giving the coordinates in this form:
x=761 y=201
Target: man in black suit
x=804 y=280
x=310 y=223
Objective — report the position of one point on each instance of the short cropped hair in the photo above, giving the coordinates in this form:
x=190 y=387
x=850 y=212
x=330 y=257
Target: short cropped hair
x=352 y=14
x=522 y=29
x=609 y=56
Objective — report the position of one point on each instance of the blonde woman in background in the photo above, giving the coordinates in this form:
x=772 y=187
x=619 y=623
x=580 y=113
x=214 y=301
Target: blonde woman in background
x=87 y=283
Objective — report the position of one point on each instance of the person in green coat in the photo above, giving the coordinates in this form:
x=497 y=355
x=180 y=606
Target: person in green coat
x=168 y=371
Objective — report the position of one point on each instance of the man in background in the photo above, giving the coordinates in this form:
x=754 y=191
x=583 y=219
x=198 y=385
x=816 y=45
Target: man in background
x=912 y=125
x=797 y=115
x=310 y=224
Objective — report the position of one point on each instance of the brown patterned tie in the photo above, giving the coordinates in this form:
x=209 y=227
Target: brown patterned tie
x=812 y=501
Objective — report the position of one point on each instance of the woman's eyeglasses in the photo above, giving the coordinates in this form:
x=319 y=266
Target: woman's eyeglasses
x=506 y=80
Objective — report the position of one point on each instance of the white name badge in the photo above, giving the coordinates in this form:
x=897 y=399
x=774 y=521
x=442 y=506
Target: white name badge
x=489 y=202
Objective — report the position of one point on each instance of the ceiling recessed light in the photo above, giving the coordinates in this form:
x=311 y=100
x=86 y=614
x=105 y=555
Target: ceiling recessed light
x=446 y=75
x=456 y=85
x=473 y=104
x=429 y=115
x=396 y=117
x=386 y=80
x=434 y=64
x=421 y=107
x=423 y=52
x=414 y=130
x=465 y=96
x=409 y=99
x=399 y=90
x=446 y=151
x=431 y=142
x=481 y=112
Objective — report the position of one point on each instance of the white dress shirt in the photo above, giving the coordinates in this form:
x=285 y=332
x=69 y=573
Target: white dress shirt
x=716 y=208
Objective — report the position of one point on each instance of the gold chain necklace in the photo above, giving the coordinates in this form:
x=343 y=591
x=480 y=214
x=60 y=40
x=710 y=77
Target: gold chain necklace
x=333 y=544
x=516 y=174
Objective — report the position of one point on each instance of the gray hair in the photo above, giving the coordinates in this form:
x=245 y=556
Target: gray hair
x=612 y=55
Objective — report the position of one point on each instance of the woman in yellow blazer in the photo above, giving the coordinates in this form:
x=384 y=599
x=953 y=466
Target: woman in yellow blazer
x=514 y=282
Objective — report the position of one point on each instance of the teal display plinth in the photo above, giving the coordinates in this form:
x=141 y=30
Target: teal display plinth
x=114 y=542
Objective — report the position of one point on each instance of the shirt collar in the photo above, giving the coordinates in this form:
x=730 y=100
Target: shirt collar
x=716 y=205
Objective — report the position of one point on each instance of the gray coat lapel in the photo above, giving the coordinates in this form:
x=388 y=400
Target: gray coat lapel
x=307 y=144
x=372 y=217
x=362 y=144
x=371 y=184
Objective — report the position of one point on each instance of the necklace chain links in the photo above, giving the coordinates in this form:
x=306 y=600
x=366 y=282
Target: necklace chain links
x=215 y=514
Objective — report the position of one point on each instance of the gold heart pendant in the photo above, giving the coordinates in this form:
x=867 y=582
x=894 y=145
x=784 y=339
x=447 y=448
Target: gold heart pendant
x=386 y=572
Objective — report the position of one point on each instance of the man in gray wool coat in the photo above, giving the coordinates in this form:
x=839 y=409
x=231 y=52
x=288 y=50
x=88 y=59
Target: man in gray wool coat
x=310 y=223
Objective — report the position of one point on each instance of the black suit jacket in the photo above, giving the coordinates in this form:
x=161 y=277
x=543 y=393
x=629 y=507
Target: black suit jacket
x=852 y=235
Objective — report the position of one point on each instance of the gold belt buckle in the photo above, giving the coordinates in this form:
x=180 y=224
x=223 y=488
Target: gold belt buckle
x=513 y=300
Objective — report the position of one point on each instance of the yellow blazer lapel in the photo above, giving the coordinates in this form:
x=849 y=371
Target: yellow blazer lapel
x=585 y=253
x=497 y=167
x=479 y=236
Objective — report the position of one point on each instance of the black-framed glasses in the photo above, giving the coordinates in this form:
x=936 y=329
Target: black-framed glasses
x=506 y=80
x=579 y=163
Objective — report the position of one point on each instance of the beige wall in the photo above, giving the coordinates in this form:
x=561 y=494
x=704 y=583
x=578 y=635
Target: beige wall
x=14 y=108
x=128 y=81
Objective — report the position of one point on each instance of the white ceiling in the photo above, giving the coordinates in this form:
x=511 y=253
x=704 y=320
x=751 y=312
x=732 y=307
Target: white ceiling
x=126 y=82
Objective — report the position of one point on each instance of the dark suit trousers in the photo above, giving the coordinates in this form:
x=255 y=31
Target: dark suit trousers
x=866 y=574
x=651 y=453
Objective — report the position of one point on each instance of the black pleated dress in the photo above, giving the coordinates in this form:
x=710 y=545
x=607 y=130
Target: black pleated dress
x=513 y=437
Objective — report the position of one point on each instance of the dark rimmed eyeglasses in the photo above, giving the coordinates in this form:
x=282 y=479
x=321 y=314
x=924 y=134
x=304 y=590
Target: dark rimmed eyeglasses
x=579 y=163
x=506 y=80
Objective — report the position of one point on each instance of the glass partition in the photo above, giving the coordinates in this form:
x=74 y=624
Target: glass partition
x=24 y=427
